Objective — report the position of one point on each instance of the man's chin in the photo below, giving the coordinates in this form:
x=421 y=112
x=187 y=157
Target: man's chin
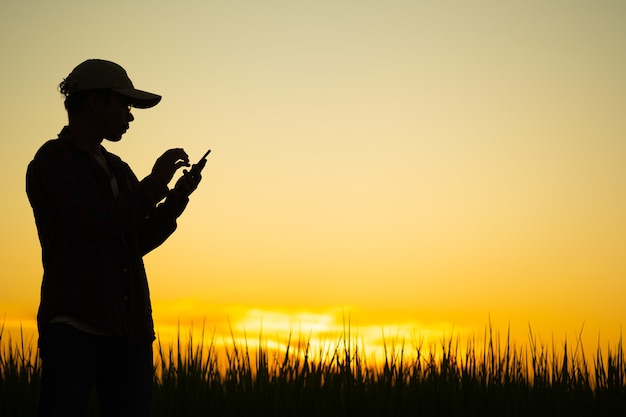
x=115 y=138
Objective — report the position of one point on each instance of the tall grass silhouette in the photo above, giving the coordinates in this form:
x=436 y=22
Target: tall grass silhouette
x=336 y=377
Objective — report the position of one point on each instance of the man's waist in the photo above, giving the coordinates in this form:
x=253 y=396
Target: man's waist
x=77 y=324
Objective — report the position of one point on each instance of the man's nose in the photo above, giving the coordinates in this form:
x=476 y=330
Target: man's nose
x=130 y=117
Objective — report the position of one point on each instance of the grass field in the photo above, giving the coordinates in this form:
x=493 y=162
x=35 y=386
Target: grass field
x=306 y=377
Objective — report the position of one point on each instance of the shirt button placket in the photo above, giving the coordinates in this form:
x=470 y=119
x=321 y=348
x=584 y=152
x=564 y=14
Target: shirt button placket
x=125 y=271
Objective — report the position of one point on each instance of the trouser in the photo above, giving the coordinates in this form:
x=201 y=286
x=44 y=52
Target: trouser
x=75 y=362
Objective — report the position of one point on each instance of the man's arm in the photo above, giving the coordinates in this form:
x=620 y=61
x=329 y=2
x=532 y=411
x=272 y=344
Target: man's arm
x=64 y=185
x=162 y=221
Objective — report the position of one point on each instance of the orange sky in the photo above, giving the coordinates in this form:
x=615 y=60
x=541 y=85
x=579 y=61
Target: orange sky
x=421 y=165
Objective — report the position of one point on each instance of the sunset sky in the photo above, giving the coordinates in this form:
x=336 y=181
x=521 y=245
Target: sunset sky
x=421 y=167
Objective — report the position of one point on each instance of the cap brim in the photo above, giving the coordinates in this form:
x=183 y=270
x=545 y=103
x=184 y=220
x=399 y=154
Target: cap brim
x=140 y=99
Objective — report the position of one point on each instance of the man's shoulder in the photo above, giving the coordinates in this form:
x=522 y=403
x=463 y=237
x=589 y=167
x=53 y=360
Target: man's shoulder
x=57 y=154
x=49 y=156
x=53 y=146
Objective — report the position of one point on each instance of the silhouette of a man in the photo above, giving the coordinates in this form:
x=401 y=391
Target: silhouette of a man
x=95 y=222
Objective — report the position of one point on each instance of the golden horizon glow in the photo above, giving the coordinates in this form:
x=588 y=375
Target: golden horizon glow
x=332 y=330
x=424 y=167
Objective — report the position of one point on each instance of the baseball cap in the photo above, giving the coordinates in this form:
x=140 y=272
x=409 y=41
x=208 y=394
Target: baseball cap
x=95 y=74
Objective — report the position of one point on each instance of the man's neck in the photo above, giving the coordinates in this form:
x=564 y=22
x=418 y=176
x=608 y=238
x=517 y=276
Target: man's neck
x=85 y=138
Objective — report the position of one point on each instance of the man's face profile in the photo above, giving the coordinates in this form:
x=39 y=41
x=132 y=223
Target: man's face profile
x=114 y=116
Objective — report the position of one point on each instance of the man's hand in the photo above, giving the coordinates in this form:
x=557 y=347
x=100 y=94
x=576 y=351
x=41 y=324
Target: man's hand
x=178 y=197
x=168 y=163
x=188 y=183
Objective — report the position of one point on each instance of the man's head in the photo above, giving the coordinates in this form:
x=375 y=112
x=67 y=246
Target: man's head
x=105 y=89
x=98 y=74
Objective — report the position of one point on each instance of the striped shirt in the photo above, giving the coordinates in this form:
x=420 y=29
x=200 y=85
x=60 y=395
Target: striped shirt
x=93 y=238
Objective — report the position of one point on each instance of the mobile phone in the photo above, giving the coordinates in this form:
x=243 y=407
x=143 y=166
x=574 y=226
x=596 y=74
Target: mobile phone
x=205 y=155
x=197 y=168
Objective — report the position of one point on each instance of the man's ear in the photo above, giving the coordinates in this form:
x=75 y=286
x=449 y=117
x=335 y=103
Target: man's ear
x=94 y=103
x=91 y=104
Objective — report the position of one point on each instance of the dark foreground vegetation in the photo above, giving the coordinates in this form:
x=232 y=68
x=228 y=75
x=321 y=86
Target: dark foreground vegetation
x=486 y=378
